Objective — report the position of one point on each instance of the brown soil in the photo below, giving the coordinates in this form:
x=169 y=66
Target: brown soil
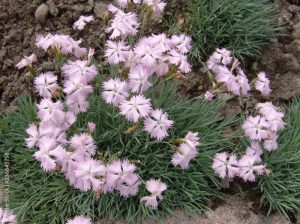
x=17 y=38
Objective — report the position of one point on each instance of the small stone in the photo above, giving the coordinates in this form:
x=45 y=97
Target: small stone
x=53 y=9
x=41 y=13
x=294 y=8
x=100 y=9
x=88 y=8
x=296 y=31
x=294 y=48
x=48 y=66
x=2 y=80
x=78 y=8
x=91 y=3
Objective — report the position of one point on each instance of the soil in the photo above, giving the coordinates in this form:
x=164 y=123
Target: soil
x=18 y=28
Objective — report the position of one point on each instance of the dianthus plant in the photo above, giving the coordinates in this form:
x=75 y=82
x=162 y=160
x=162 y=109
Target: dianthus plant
x=103 y=138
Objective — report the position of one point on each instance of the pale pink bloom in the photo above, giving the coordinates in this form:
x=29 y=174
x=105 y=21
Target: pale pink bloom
x=79 y=220
x=77 y=88
x=223 y=74
x=155 y=187
x=185 y=154
x=122 y=177
x=225 y=165
x=161 y=41
x=263 y=84
x=180 y=60
x=270 y=143
x=116 y=52
x=27 y=61
x=243 y=82
x=79 y=71
x=45 y=84
x=157 y=124
x=139 y=79
x=77 y=104
x=50 y=111
x=91 y=127
x=182 y=43
x=220 y=56
x=208 y=96
x=48 y=151
x=161 y=68
x=115 y=91
x=192 y=139
x=68 y=120
x=148 y=51
x=266 y=108
x=233 y=85
x=255 y=150
x=83 y=144
x=256 y=128
x=275 y=121
x=90 y=174
x=248 y=166
x=7 y=216
x=123 y=24
x=157 y=6
x=124 y=3
x=82 y=21
x=64 y=43
x=34 y=136
x=135 y=108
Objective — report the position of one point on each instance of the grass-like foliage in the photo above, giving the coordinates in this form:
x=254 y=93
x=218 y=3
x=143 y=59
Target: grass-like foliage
x=40 y=197
x=281 y=190
x=243 y=26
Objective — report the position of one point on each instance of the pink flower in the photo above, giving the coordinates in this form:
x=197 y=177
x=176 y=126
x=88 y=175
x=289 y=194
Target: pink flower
x=263 y=84
x=157 y=6
x=7 y=216
x=220 y=56
x=243 y=82
x=77 y=88
x=77 y=104
x=135 y=108
x=256 y=128
x=180 y=60
x=116 y=52
x=79 y=220
x=247 y=165
x=34 y=136
x=266 y=108
x=82 y=21
x=91 y=127
x=254 y=151
x=270 y=143
x=90 y=174
x=161 y=68
x=148 y=51
x=138 y=79
x=208 y=96
x=27 y=61
x=192 y=139
x=123 y=24
x=182 y=43
x=115 y=91
x=45 y=84
x=155 y=187
x=157 y=124
x=225 y=165
x=122 y=177
x=185 y=154
x=50 y=111
x=83 y=144
x=79 y=71
x=124 y=3
x=47 y=153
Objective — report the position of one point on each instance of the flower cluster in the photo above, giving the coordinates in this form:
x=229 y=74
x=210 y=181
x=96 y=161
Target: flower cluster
x=27 y=61
x=228 y=72
x=262 y=130
x=79 y=220
x=60 y=43
x=155 y=187
x=7 y=217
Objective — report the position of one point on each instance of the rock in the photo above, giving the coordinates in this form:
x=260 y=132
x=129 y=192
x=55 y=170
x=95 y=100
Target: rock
x=289 y=63
x=2 y=80
x=78 y=8
x=100 y=9
x=294 y=8
x=91 y=3
x=53 y=9
x=286 y=86
x=88 y=8
x=296 y=31
x=2 y=53
x=41 y=13
x=48 y=66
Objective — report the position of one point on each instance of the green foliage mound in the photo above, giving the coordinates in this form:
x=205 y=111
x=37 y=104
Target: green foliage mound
x=242 y=26
x=40 y=197
x=281 y=189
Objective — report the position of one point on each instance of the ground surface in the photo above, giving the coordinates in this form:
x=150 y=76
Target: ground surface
x=18 y=28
